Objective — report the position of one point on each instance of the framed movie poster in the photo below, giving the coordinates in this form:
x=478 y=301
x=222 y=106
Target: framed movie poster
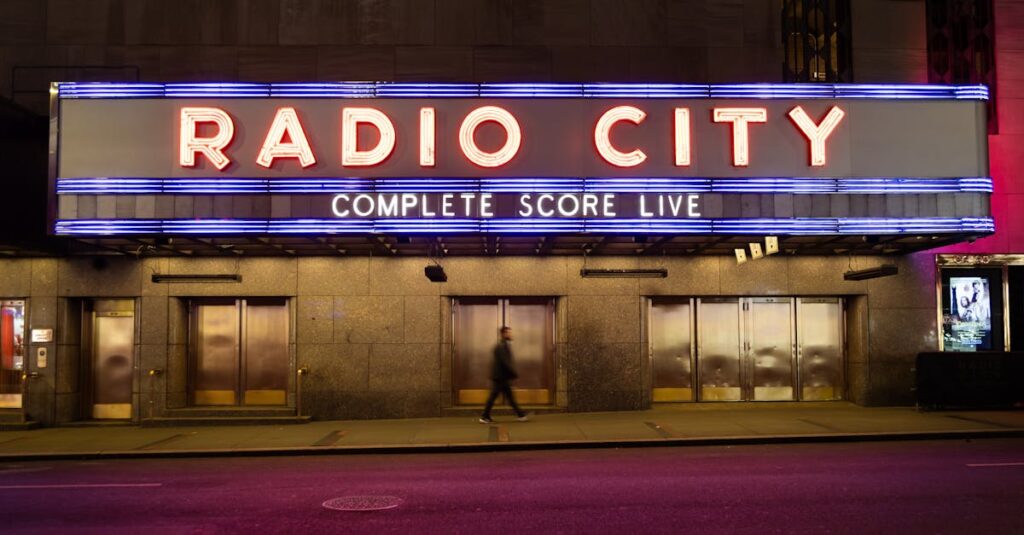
x=972 y=309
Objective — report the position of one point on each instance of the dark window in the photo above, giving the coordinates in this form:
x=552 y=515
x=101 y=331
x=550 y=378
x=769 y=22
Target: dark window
x=961 y=47
x=816 y=41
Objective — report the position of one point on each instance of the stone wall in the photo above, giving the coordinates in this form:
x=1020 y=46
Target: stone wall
x=376 y=334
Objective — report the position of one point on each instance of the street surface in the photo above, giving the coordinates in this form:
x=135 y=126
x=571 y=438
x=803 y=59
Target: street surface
x=873 y=487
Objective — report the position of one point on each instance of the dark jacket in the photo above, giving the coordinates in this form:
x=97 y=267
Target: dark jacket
x=502 y=368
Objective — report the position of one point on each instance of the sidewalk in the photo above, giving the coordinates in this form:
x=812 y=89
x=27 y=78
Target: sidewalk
x=684 y=424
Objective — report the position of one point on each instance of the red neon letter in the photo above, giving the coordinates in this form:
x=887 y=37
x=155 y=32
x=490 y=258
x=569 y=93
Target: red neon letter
x=351 y=156
x=817 y=133
x=682 y=137
x=286 y=122
x=210 y=147
x=426 y=137
x=604 y=144
x=479 y=116
x=739 y=117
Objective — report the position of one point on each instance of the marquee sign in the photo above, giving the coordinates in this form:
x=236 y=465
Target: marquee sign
x=434 y=158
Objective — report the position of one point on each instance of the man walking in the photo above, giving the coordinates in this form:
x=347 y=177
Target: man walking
x=502 y=372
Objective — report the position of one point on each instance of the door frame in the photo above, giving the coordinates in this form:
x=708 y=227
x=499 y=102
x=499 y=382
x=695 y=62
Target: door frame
x=88 y=409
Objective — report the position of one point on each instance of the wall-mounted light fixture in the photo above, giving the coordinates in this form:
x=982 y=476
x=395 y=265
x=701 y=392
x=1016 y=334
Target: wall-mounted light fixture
x=659 y=273
x=883 y=270
x=234 y=277
x=435 y=273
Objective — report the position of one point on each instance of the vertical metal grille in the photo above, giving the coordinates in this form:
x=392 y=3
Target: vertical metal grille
x=961 y=47
x=816 y=40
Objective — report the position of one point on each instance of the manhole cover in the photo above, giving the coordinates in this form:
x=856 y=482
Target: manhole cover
x=363 y=503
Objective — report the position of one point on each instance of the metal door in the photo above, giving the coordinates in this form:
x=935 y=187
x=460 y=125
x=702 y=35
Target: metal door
x=532 y=323
x=671 y=350
x=719 y=348
x=113 y=345
x=265 y=352
x=216 y=348
x=820 y=348
x=476 y=325
x=241 y=352
x=770 y=349
x=476 y=331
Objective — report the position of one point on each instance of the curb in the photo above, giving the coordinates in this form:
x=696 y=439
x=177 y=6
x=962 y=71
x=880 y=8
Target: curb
x=470 y=447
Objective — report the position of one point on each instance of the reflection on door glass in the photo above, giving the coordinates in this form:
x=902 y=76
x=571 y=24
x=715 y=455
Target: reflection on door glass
x=12 y=352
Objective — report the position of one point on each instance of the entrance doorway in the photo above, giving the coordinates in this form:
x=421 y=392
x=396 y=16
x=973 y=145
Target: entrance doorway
x=12 y=352
x=477 y=321
x=240 y=352
x=746 y=349
x=109 y=341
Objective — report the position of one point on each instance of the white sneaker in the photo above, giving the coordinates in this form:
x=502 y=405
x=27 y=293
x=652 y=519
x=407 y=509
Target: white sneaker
x=524 y=418
x=485 y=420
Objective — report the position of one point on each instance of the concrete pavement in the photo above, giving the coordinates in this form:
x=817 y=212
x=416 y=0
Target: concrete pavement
x=678 y=424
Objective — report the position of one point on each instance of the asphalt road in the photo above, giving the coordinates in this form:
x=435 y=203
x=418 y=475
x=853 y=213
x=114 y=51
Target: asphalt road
x=898 y=487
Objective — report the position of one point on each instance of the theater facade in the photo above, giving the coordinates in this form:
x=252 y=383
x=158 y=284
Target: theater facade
x=690 y=202
x=349 y=250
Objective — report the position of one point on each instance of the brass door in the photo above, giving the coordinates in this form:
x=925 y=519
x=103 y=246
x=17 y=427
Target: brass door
x=476 y=325
x=241 y=354
x=113 y=344
x=820 y=350
x=671 y=350
x=770 y=349
x=720 y=349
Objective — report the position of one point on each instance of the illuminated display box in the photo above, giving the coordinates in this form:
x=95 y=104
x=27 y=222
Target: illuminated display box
x=495 y=158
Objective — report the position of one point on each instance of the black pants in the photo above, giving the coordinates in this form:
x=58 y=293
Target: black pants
x=501 y=387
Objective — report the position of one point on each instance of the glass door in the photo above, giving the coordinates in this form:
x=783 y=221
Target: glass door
x=12 y=352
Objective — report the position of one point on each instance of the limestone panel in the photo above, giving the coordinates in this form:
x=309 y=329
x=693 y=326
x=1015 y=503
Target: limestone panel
x=68 y=408
x=315 y=319
x=731 y=64
x=900 y=334
x=604 y=367
x=99 y=277
x=510 y=64
x=15 y=278
x=260 y=276
x=335 y=367
x=277 y=64
x=399 y=367
x=686 y=21
x=177 y=321
x=42 y=313
x=68 y=364
x=823 y=275
x=605 y=400
x=565 y=22
x=589 y=64
x=455 y=22
x=403 y=276
x=576 y=284
x=151 y=266
x=404 y=22
x=327 y=22
x=333 y=276
x=765 y=276
x=176 y=374
x=22 y=22
x=603 y=319
x=884 y=24
x=516 y=275
x=687 y=275
x=433 y=64
x=892 y=66
x=152 y=357
x=81 y=22
x=628 y=22
x=355 y=63
x=154 y=321
x=369 y=319
x=914 y=286
x=422 y=319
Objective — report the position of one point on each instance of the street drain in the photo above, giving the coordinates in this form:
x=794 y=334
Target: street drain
x=362 y=503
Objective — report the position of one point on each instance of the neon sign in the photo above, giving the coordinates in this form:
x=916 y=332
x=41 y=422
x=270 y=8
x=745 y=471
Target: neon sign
x=647 y=158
